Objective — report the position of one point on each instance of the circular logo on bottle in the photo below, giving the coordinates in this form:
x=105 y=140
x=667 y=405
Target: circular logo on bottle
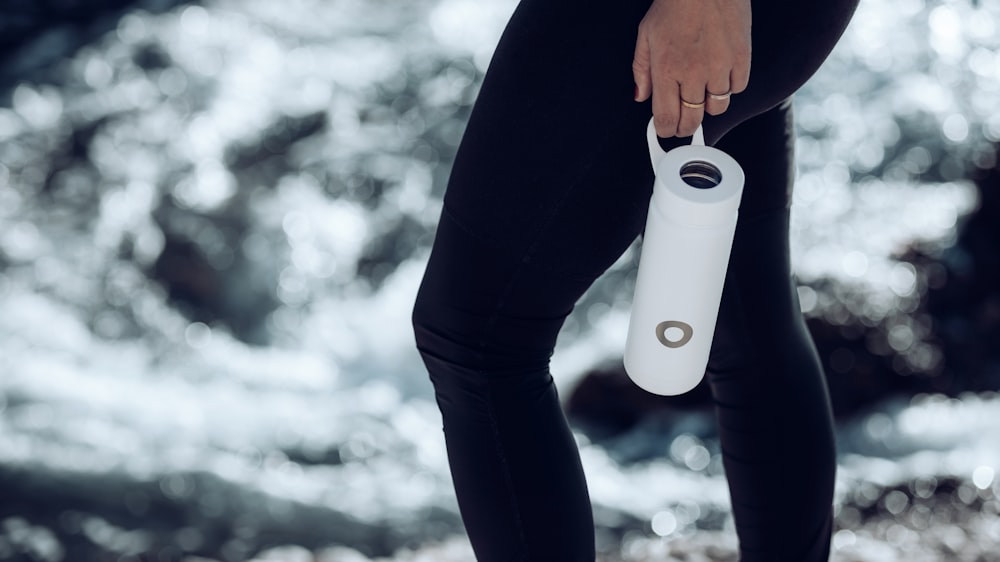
x=686 y=332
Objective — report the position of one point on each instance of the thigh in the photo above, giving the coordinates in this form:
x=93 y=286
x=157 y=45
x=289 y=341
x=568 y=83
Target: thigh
x=555 y=128
x=553 y=172
x=542 y=161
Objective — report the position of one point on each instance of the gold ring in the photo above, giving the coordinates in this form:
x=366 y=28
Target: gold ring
x=686 y=103
x=720 y=97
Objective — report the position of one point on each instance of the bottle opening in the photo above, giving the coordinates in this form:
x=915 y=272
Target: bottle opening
x=701 y=175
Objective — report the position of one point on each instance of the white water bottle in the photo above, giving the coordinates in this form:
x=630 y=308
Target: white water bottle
x=682 y=266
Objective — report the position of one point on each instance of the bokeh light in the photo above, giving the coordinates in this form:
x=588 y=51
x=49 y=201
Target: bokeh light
x=213 y=218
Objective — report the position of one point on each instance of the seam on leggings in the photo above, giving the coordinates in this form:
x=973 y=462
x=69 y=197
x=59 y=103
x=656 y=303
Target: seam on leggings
x=508 y=479
x=446 y=209
x=491 y=411
x=482 y=376
x=495 y=315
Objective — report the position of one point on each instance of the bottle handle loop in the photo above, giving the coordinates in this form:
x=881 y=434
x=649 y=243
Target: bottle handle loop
x=656 y=152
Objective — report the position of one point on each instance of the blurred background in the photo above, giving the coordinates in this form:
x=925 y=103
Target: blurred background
x=214 y=216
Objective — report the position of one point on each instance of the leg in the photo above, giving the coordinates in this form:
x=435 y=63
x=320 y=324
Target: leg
x=486 y=321
x=550 y=185
x=771 y=399
x=540 y=202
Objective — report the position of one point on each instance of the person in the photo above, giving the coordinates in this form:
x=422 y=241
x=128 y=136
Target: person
x=550 y=185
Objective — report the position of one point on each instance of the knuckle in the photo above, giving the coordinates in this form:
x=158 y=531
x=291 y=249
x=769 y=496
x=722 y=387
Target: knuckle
x=686 y=67
x=693 y=69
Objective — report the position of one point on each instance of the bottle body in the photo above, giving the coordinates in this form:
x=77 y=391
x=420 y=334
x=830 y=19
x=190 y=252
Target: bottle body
x=678 y=290
x=685 y=251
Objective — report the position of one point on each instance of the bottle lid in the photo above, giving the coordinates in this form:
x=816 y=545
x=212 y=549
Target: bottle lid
x=696 y=185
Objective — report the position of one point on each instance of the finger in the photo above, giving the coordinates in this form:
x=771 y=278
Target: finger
x=739 y=76
x=666 y=107
x=717 y=96
x=692 y=107
x=640 y=68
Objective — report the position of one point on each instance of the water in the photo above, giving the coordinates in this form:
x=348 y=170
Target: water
x=212 y=224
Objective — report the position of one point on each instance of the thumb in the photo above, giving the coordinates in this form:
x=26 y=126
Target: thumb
x=640 y=68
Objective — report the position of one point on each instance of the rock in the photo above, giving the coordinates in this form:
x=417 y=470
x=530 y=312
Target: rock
x=35 y=36
x=607 y=402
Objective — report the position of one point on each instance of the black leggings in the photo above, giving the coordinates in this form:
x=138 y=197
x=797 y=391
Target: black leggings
x=550 y=185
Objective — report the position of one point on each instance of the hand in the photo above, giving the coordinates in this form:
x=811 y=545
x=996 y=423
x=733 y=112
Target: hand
x=687 y=50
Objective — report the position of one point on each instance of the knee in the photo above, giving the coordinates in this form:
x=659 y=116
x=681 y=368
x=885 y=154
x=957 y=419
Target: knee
x=430 y=329
x=445 y=337
x=471 y=352
x=449 y=345
x=421 y=320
